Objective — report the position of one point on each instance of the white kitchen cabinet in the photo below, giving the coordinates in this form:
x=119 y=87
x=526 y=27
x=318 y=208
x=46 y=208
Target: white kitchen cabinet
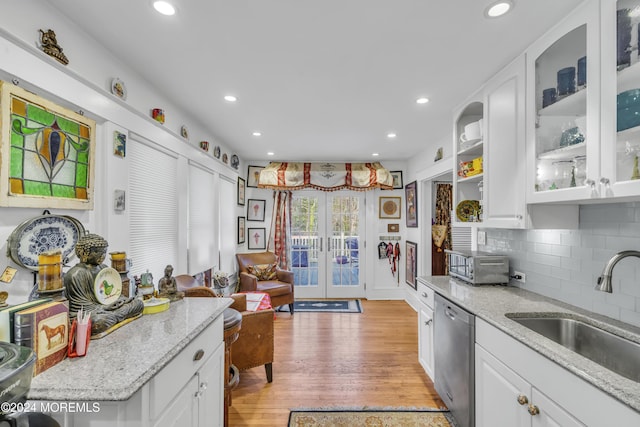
x=425 y=328
x=620 y=70
x=500 y=188
x=582 y=149
x=195 y=405
x=507 y=369
x=183 y=408
x=505 y=399
x=504 y=177
x=187 y=392
x=563 y=135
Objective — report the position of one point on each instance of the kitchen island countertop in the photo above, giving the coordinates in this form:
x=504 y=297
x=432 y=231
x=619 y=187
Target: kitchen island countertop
x=492 y=302
x=119 y=364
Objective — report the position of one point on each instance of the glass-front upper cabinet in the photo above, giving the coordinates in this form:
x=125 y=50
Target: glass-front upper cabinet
x=563 y=133
x=620 y=98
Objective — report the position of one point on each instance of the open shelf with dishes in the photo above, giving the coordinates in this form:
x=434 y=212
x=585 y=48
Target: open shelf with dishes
x=469 y=150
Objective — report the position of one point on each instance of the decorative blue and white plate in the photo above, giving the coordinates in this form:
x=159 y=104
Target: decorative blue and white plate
x=41 y=234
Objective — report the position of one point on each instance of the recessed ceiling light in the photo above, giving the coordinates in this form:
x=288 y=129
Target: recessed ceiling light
x=422 y=100
x=230 y=98
x=391 y=135
x=164 y=7
x=498 y=8
x=270 y=153
x=257 y=134
x=375 y=154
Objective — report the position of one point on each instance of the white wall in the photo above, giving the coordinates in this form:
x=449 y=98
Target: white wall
x=84 y=84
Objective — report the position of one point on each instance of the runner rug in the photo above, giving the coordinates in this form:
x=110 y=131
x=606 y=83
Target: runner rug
x=373 y=418
x=335 y=306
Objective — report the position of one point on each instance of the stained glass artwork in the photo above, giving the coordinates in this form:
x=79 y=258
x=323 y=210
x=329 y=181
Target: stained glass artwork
x=47 y=153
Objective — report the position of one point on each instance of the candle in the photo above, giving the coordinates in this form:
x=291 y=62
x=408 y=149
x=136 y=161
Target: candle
x=50 y=270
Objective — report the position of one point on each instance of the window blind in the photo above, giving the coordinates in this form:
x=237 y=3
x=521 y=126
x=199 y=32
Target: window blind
x=227 y=224
x=153 y=207
x=203 y=236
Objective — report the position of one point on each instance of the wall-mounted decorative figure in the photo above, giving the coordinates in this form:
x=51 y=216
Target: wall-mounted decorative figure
x=49 y=45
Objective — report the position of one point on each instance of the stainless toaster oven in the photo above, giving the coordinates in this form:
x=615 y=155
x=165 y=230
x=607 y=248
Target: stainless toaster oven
x=478 y=268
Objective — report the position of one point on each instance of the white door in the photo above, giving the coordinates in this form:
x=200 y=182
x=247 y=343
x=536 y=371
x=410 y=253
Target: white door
x=327 y=239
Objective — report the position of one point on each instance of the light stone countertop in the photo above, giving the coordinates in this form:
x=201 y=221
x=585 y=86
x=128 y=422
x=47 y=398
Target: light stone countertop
x=119 y=364
x=492 y=302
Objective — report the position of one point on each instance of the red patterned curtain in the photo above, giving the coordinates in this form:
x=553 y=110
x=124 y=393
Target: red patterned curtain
x=280 y=231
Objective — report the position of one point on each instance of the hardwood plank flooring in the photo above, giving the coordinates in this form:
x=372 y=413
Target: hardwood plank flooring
x=337 y=360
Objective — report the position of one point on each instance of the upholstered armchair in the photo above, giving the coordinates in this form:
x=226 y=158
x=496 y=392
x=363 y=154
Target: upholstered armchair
x=254 y=346
x=258 y=272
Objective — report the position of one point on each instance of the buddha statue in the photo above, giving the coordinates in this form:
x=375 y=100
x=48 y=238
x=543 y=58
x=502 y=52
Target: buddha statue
x=168 y=287
x=91 y=250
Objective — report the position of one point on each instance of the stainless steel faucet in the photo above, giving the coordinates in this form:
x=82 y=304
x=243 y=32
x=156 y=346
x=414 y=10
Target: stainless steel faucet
x=604 y=281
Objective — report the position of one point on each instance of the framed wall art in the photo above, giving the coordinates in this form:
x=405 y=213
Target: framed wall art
x=241 y=228
x=119 y=199
x=241 y=191
x=255 y=210
x=47 y=153
x=397 y=180
x=257 y=238
x=393 y=228
x=119 y=144
x=253 y=176
x=411 y=198
x=411 y=272
x=389 y=207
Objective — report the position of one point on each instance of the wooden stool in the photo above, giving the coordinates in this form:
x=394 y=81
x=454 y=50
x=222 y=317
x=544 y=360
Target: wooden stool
x=232 y=325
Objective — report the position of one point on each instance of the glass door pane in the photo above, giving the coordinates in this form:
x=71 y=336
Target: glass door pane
x=306 y=246
x=346 y=224
x=628 y=92
x=327 y=237
x=561 y=105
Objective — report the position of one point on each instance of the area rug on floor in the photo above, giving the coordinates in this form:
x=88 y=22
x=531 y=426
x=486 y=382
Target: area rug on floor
x=337 y=306
x=370 y=418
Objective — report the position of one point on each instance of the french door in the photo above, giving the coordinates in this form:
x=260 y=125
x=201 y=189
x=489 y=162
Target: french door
x=327 y=243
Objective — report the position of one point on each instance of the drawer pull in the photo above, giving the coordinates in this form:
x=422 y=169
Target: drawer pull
x=203 y=385
x=522 y=399
x=428 y=322
x=199 y=355
x=424 y=294
x=533 y=410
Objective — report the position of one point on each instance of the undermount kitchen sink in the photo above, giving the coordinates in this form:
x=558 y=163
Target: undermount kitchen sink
x=611 y=351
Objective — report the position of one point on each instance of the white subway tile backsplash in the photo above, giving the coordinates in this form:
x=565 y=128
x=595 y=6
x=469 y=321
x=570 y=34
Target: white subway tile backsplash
x=565 y=264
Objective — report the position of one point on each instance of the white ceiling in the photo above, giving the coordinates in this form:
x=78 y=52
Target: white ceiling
x=323 y=79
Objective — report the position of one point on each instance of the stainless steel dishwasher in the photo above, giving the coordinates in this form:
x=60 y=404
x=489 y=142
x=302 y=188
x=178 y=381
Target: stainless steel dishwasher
x=454 y=341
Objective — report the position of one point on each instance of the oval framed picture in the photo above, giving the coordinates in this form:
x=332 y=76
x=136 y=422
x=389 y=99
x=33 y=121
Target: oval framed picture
x=216 y=152
x=118 y=88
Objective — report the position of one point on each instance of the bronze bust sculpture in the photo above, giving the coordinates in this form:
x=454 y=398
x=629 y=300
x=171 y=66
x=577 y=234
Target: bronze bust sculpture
x=79 y=282
x=168 y=287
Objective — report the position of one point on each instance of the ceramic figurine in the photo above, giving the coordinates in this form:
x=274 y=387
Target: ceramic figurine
x=146 y=288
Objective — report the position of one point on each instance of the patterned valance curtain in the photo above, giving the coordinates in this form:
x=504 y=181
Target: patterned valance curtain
x=325 y=176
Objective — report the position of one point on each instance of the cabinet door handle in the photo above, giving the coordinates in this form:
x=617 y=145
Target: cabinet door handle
x=199 y=355
x=533 y=410
x=428 y=322
x=203 y=385
x=522 y=399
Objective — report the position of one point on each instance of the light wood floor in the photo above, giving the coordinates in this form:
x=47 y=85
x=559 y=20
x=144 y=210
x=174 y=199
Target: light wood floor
x=337 y=359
